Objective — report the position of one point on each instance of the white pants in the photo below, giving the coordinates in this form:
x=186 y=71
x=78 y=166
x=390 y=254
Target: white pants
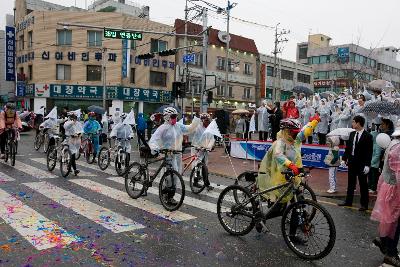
x=332 y=178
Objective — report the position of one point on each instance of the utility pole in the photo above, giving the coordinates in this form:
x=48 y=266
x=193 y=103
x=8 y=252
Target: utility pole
x=103 y=56
x=228 y=39
x=276 y=94
x=203 y=107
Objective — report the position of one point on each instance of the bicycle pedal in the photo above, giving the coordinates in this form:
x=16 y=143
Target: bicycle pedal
x=265 y=229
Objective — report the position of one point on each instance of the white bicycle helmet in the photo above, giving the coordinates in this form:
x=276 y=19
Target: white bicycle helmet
x=168 y=111
x=204 y=116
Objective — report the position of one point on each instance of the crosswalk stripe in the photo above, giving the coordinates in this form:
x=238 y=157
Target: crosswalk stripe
x=39 y=231
x=201 y=204
x=105 y=217
x=32 y=171
x=142 y=204
x=5 y=178
x=44 y=161
x=110 y=170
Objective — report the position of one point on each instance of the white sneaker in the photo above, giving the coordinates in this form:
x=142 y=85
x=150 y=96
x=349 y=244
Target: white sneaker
x=331 y=191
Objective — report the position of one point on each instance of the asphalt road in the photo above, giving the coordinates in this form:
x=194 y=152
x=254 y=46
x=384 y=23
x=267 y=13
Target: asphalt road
x=89 y=220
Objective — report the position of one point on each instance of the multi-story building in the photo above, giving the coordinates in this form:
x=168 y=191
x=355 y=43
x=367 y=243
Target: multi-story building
x=68 y=66
x=289 y=75
x=242 y=68
x=348 y=65
x=121 y=6
x=7 y=88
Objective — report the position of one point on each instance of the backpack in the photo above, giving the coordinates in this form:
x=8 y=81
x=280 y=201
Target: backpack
x=10 y=116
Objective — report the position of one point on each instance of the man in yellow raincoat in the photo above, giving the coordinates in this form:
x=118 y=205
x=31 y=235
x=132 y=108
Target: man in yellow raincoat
x=284 y=153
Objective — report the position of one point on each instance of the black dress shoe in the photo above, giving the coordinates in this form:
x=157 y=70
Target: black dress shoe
x=345 y=204
x=362 y=209
x=377 y=242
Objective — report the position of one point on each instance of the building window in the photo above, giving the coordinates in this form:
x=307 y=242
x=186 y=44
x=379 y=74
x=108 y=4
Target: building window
x=95 y=38
x=64 y=37
x=30 y=72
x=133 y=44
x=323 y=59
x=132 y=75
x=230 y=91
x=287 y=74
x=315 y=60
x=30 y=39
x=93 y=73
x=63 y=72
x=247 y=69
x=198 y=60
x=246 y=93
x=196 y=86
x=221 y=63
x=21 y=42
x=158 y=45
x=158 y=78
x=303 y=78
x=270 y=71
x=303 y=52
x=221 y=90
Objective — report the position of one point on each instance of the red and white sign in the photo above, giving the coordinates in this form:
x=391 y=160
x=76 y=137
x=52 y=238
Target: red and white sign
x=42 y=90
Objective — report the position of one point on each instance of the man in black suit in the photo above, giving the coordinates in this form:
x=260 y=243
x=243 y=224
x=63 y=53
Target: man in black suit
x=357 y=156
x=275 y=118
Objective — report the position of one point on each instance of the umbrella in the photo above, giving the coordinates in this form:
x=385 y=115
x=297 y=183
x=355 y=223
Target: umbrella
x=302 y=89
x=343 y=133
x=380 y=85
x=161 y=109
x=97 y=109
x=240 y=111
x=327 y=93
x=382 y=108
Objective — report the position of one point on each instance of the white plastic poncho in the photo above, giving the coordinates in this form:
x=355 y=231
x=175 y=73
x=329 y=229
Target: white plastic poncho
x=170 y=137
x=324 y=115
x=104 y=121
x=52 y=125
x=73 y=129
x=306 y=113
x=202 y=139
x=262 y=119
x=123 y=131
x=345 y=118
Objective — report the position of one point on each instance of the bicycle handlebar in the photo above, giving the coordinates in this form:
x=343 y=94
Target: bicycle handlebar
x=166 y=151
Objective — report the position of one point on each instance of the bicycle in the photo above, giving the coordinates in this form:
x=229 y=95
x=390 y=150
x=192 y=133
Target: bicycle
x=300 y=218
x=42 y=138
x=60 y=152
x=11 y=145
x=199 y=174
x=87 y=148
x=171 y=186
x=116 y=154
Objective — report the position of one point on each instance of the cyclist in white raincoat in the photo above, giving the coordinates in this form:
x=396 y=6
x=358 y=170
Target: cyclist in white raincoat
x=123 y=130
x=73 y=131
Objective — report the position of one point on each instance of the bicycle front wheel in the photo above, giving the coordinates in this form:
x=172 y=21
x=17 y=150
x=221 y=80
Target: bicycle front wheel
x=236 y=215
x=89 y=153
x=171 y=190
x=65 y=162
x=121 y=163
x=38 y=142
x=103 y=159
x=309 y=237
x=51 y=158
x=135 y=179
x=46 y=143
x=12 y=150
x=198 y=178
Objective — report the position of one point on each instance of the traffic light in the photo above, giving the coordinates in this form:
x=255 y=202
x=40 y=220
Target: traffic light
x=146 y=56
x=178 y=90
x=168 y=52
x=209 y=97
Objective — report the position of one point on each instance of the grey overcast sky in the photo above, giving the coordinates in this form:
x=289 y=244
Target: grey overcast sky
x=370 y=23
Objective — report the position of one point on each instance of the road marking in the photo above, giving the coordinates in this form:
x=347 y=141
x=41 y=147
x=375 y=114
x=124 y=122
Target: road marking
x=201 y=204
x=44 y=161
x=105 y=217
x=5 y=178
x=110 y=170
x=140 y=203
x=347 y=207
x=32 y=171
x=39 y=231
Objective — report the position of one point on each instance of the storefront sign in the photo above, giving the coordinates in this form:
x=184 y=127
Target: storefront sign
x=343 y=54
x=155 y=62
x=30 y=90
x=26 y=58
x=21 y=88
x=42 y=90
x=113 y=92
x=125 y=58
x=25 y=24
x=122 y=34
x=10 y=53
x=72 y=56
x=330 y=83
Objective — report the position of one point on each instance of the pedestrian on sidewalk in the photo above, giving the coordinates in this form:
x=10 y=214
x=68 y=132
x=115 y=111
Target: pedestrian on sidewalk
x=333 y=161
x=387 y=205
x=373 y=175
x=275 y=118
x=357 y=157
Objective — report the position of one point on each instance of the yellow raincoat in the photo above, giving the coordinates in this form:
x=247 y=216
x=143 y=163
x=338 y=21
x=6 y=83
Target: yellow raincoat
x=280 y=155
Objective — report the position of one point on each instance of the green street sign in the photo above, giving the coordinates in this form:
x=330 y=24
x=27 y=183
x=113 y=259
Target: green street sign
x=121 y=34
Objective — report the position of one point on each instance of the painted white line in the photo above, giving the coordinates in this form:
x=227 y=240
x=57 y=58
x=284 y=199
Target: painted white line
x=32 y=171
x=201 y=204
x=39 y=231
x=110 y=170
x=140 y=203
x=5 y=178
x=44 y=161
x=105 y=217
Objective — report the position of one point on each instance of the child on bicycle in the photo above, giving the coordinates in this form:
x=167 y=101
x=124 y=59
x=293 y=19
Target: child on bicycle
x=204 y=141
x=73 y=131
x=170 y=136
x=123 y=131
x=92 y=126
x=8 y=120
x=50 y=125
